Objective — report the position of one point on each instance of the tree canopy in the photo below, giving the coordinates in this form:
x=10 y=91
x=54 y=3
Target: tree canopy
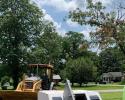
x=48 y=48
x=26 y=37
x=109 y=24
x=73 y=44
x=20 y=23
x=111 y=60
x=80 y=70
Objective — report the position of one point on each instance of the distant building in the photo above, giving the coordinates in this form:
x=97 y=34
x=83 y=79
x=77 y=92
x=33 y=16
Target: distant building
x=111 y=77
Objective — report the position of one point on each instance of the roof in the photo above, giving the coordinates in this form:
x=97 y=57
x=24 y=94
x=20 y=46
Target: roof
x=112 y=74
x=56 y=77
x=106 y=75
x=116 y=74
x=41 y=65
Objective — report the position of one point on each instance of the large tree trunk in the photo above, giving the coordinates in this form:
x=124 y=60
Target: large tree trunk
x=15 y=76
x=80 y=84
x=15 y=72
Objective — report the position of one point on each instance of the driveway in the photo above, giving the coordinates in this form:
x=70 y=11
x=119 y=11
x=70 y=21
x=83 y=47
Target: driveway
x=115 y=90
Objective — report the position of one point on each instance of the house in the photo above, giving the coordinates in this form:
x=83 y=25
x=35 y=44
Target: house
x=111 y=77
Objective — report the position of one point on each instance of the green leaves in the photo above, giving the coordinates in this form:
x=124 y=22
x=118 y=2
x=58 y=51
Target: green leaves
x=80 y=70
x=111 y=60
x=109 y=24
x=75 y=44
x=21 y=22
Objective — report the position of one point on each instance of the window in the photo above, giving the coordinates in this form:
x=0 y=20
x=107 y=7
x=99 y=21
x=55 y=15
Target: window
x=95 y=97
x=56 y=98
x=80 y=97
x=28 y=85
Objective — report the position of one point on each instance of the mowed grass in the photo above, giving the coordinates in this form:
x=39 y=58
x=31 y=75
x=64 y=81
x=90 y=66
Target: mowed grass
x=94 y=87
x=99 y=87
x=12 y=95
x=106 y=95
x=112 y=96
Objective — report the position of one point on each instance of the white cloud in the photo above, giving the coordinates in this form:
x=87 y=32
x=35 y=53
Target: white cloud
x=61 y=5
x=72 y=24
x=61 y=31
x=86 y=31
x=56 y=24
x=67 y=5
x=49 y=18
x=105 y=2
x=86 y=34
x=87 y=37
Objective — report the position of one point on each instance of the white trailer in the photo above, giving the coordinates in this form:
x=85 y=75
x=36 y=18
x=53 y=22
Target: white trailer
x=78 y=95
x=68 y=94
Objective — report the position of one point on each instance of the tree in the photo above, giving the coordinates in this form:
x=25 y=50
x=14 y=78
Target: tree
x=111 y=60
x=110 y=25
x=80 y=70
x=48 y=48
x=4 y=70
x=73 y=42
x=70 y=72
x=96 y=61
x=20 y=23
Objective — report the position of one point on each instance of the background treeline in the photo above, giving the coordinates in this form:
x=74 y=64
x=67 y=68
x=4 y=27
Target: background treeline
x=26 y=37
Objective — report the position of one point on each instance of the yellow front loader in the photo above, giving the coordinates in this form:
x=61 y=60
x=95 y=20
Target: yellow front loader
x=35 y=83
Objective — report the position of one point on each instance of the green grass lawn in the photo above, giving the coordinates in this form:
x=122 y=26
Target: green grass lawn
x=105 y=96
x=112 y=96
x=94 y=87
x=99 y=87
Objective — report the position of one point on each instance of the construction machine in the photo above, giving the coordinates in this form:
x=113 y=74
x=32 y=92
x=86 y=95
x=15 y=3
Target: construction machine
x=66 y=94
x=39 y=79
x=36 y=87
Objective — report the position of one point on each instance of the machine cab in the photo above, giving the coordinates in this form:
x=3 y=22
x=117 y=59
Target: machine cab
x=39 y=78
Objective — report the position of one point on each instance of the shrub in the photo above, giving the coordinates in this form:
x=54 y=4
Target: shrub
x=122 y=82
x=4 y=80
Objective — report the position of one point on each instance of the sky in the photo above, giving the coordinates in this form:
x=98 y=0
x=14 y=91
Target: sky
x=57 y=10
